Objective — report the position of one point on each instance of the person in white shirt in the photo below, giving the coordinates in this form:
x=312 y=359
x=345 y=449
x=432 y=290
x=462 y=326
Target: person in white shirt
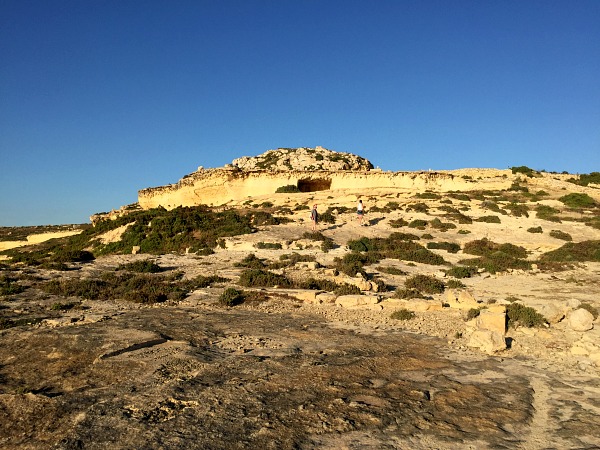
x=360 y=212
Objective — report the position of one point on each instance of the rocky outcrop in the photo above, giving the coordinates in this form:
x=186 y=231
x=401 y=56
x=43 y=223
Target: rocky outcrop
x=302 y=158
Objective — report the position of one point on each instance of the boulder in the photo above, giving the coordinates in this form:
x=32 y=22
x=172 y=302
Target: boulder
x=355 y=300
x=487 y=341
x=492 y=320
x=581 y=320
x=326 y=297
x=553 y=313
x=461 y=299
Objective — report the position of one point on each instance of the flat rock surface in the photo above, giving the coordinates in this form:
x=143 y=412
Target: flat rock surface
x=204 y=377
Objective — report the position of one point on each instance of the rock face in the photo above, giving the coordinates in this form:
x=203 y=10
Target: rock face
x=318 y=158
x=308 y=170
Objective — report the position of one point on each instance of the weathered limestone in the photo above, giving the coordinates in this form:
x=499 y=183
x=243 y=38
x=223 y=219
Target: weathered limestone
x=355 y=300
x=581 y=320
x=327 y=170
x=487 y=341
x=461 y=299
x=492 y=318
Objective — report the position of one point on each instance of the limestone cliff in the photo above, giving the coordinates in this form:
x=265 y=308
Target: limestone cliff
x=319 y=169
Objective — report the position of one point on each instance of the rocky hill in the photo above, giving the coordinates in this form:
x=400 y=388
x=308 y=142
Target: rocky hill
x=319 y=158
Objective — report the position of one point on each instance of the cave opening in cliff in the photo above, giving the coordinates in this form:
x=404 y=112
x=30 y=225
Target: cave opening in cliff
x=313 y=185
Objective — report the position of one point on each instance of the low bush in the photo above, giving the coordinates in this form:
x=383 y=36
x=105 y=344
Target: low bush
x=404 y=293
x=461 y=271
x=459 y=196
x=557 y=234
x=425 y=283
x=525 y=316
x=535 y=230
x=455 y=284
x=418 y=223
x=402 y=314
x=488 y=219
x=484 y=247
x=142 y=266
x=428 y=195
x=548 y=213
x=9 y=286
x=577 y=200
x=574 y=252
x=251 y=262
x=231 y=297
x=524 y=170
x=473 y=313
x=287 y=189
x=585 y=179
x=398 y=223
x=418 y=207
x=450 y=247
x=391 y=270
x=263 y=278
x=518 y=210
x=268 y=245
x=442 y=226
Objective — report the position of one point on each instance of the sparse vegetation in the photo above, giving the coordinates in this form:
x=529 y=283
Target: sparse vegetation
x=524 y=170
x=450 y=247
x=425 y=283
x=268 y=245
x=535 y=230
x=577 y=200
x=288 y=189
x=231 y=297
x=525 y=316
x=461 y=271
x=574 y=252
x=488 y=219
x=557 y=234
x=402 y=314
x=141 y=266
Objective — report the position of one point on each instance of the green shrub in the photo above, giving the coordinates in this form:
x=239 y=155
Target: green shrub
x=327 y=245
x=557 y=234
x=472 y=313
x=263 y=278
x=9 y=286
x=524 y=170
x=425 y=283
x=287 y=189
x=346 y=289
x=426 y=236
x=484 y=247
x=525 y=316
x=64 y=306
x=535 y=230
x=455 y=284
x=391 y=270
x=418 y=223
x=251 y=262
x=450 y=247
x=418 y=207
x=442 y=226
x=408 y=293
x=518 y=210
x=142 y=266
x=351 y=263
x=231 y=297
x=577 y=200
x=398 y=223
x=464 y=232
x=461 y=271
x=428 y=195
x=268 y=245
x=548 y=213
x=488 y=219
x=574 y=252
x=402 y=314
x=585 y=179
x=459 y=196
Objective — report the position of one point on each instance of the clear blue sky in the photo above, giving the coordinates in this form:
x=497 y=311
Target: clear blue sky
x=101 y=98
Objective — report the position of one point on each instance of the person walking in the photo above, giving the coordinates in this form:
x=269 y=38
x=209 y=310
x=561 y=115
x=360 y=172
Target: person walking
x=360 y=212
x=314 y=217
